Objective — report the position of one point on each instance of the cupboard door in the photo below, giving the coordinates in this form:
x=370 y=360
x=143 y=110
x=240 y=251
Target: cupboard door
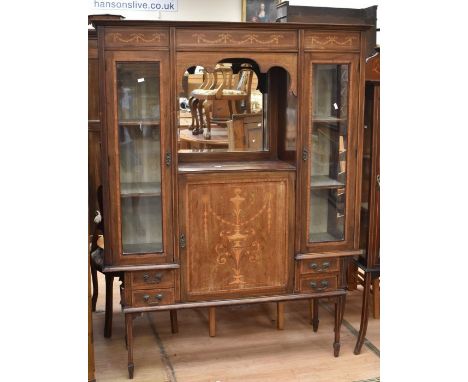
x=330 y=151
x=138 y=145
x=237 y=236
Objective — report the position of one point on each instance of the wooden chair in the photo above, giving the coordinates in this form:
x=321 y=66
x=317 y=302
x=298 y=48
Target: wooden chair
x=241 y=92
x=357 y=277
x=220 y=89
x=197 y=125
x=218 y=80
x=97 y=264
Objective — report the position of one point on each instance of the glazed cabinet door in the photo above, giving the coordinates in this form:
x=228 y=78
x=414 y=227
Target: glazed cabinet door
x=138 y=142
x=329 y=152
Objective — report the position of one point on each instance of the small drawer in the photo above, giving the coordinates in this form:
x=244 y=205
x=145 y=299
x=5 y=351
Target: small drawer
x=318 y=284
x=152 y=297
x=319 y=266
x=153 y=279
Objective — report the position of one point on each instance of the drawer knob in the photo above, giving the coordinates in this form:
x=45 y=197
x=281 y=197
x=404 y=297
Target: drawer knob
x=158 y=277
x=325 y=266
x=157 y=298
x=323 y=285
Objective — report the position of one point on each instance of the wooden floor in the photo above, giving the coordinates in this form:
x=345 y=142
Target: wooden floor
x=247 y=348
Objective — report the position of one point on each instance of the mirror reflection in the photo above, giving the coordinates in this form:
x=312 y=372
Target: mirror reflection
x=223 y=109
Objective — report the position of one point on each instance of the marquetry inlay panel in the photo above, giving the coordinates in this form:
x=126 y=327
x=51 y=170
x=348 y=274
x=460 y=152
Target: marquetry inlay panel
x=116 y=38
x=332 y=41
x=236 y=235
x=244 y=39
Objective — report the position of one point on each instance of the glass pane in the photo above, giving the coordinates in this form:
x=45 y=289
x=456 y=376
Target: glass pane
x=223 y=109
x=328 y=156
x=140 y=162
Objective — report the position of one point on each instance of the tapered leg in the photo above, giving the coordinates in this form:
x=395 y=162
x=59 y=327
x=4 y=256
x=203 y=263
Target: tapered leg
x=193 y=112
x=315 y=319
x=174 y=324
x=129 y=332
x=212 y=321
x=198 y=105
x=207 y=108
x=109 y=306
x=364 y=313
x=95 y=287
x=280 y=315
x=343 y=306
x=376 y=297
x=338 y=308
x=311 y=310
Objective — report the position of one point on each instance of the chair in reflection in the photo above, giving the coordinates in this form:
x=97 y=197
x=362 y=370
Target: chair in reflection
x=220 y=89
x=197 y=125
x=219 y=80
x=241 y=93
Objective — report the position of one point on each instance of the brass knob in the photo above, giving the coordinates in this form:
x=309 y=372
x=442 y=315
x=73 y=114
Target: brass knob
x=146 y=277
x=146 y=297
x=326 y=265
x=159 y=296
x=323 y=285
x=313 y=266
x=158 y=277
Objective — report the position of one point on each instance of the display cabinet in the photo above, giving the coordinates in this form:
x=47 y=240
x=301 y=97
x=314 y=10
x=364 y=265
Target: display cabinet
x=230 y=163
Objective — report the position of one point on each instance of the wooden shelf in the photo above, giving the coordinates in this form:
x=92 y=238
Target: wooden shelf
x=128 y=190
x=321 y=237
x=324 y=119
x=323 y=181
x=139 y=123
x=141 y=248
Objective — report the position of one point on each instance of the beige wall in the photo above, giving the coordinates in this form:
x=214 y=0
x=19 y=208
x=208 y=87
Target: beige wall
x=193 y=10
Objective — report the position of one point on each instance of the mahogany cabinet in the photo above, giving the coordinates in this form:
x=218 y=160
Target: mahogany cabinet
x=196 y=217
